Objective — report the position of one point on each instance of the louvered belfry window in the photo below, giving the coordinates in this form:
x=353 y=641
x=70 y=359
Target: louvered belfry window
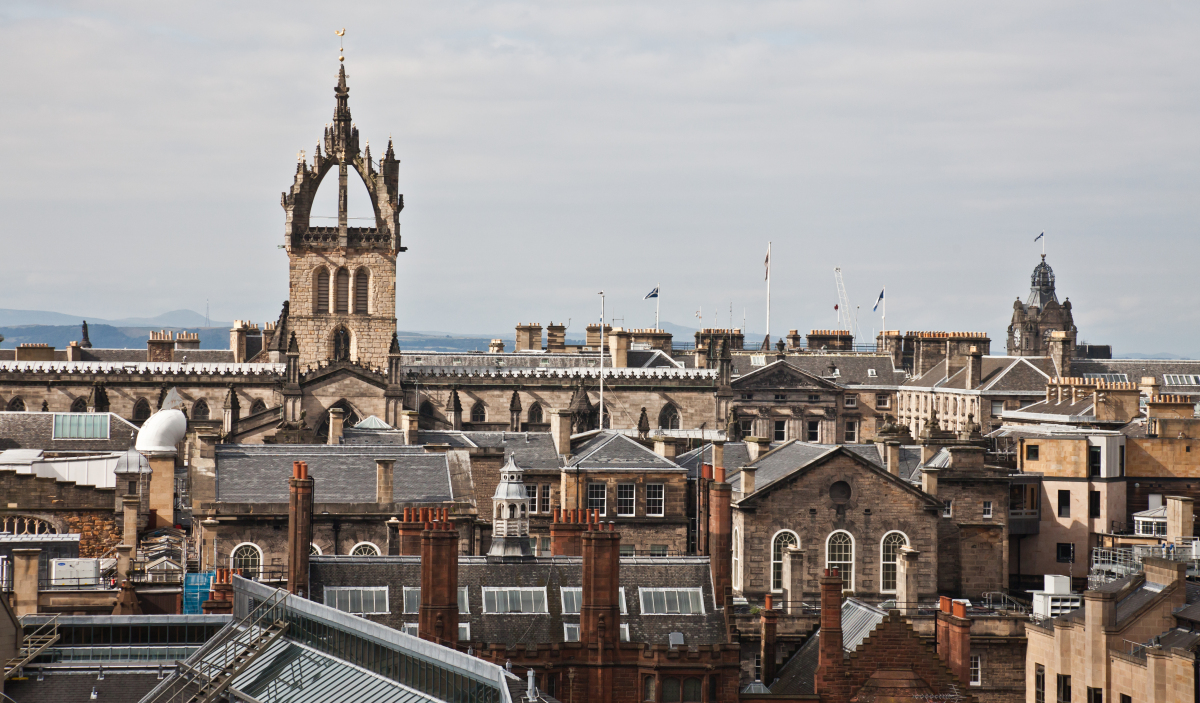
x=343 y=292
x=362 y=279
x=322 y=292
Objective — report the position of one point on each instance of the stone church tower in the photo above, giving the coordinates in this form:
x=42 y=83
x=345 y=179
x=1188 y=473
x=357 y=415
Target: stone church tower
x=1034 y=320
x=342 y=282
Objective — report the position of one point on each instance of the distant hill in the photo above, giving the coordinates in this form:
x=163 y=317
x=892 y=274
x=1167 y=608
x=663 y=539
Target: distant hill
x=174 y=319
x=104 y=336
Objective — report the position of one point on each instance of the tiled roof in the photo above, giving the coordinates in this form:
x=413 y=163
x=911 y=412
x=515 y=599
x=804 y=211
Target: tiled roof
x=551 y=573
x=249 y=473
x=610 y=450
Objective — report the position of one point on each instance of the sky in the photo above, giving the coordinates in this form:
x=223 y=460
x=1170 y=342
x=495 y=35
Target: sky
x=551 y=150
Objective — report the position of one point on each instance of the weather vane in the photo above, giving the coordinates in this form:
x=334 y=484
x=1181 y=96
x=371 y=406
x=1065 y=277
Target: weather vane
x=341 y=33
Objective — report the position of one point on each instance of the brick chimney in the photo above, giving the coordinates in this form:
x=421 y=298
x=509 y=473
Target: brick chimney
x=954 y=638
x=336 y=416
x=438 y=619
x=220 y=598
x=566 y=533
x=720 y=534
x=830 y=682
x=384 y=494
x=768 y=624
x=408 y=532
x=300 y=529
x=600 y=614
x=160 y=347
x=718 y=453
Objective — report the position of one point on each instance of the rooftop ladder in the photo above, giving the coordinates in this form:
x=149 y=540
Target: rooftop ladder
x=206 y=675
x=32 y=645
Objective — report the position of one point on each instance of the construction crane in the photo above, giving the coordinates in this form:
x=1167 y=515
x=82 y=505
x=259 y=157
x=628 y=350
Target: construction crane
x=846 y=319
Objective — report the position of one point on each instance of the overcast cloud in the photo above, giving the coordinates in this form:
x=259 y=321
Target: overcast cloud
x=550 y=150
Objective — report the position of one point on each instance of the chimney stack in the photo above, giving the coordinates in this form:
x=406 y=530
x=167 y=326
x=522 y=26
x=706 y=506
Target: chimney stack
x=408 y=532
x=438 y=619
x=769 y=623
x=300 y=529
x=757 y=446
x=336 y=417
x=665 y=447
x=929 y=480
x=384 y=495
x=830 y=681
x=906 y=580
x=600 y=614
x=566 y=533
x=748 y=473
x=974 y=367
x=954 y=638
x=720 y=534
x=892 y=450
x=560 y=431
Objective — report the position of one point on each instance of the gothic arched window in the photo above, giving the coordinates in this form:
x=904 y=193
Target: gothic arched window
x=668 y=419
x=79 y=405
x=141 y=410
x=362 y=282
x=200 y=410
x=341 y=344
x=321 y=292
x=342 y=304
x=779 y=547
x=16 y=405
x=478 y=412
x=257 y=406
x=535 y=413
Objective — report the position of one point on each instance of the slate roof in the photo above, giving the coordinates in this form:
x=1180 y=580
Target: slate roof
x=199 y=356
x=1136 y=369
x=1065 y=409
x=552 y=573
x=997 y=374
x=792 y=455
x=651 y=358
x=611 y=450
x=796 y=675
x=852 y=369
x=35 y=430
x=76 y=685
x=248 y=473
x=532 y=450
x=736 y=455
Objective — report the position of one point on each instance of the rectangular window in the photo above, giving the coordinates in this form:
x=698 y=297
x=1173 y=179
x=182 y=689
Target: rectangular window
x=1095 y=695
x=1121 y=459
x=514 y=600
x=1094 y=454
x=987 y=510
x=625 y=499
x=544 y=506
x=1064 y=688
x=658 y=550
x=671 y=601
x=464 y=605
x=1093 y=504
x=1064 y=504
x=1125 y=698
x=464 y=632
x=997 y=408
x=976 y=671
x=410 y=628
x=359 y=601
x=570 y=632
x=781 y=430
x=572 y=600
x=814 y=398
x=81 y=426
x=412 y=600
x=598 y=498
x=655 y=499
x=545 y=548
x=1181 y=379
x=871 y=373
x=814 y=431
x=1031 y=452
x=851 y=431
x=1039 y=683
x=1066 y=552
x=624 y=632
x=628 y=550
x=532 y=492
x=781 y=396
x=948 y=508
x=851 y=401
x=882 y=401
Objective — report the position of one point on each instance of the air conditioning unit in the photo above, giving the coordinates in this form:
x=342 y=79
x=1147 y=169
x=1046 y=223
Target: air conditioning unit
x=75 y=572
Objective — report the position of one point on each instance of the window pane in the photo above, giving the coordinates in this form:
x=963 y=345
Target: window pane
x=489 y=602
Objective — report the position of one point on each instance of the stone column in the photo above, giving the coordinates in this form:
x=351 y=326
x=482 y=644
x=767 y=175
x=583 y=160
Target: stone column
x=129 y=506
x=793 y=579
x=124 y=552
x=25 y=581
x=906 y=581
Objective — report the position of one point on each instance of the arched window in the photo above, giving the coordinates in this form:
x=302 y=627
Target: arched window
x=79 y=405
x=246 y=559
x=200 y=410
x=365 y=549
x=362 y=283
x=313 y=549
x=341 y=344
x=889 y=550
x=342 y=303
x=535 y=413
x=668 y=418
x=21 y=525
x=141 y=410
x=16 y=405
x=478 y=412
x=670 y=690
x=779 y=547
x=839 y=554
x=426 y=409
x=321 y=292
x=257 y=406
x=737 y=560
x=691 y=690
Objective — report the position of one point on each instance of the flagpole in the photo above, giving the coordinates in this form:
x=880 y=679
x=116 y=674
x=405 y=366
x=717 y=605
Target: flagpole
x=885 y=309
x=602 y=340
x=768 y=293
x=657 y=297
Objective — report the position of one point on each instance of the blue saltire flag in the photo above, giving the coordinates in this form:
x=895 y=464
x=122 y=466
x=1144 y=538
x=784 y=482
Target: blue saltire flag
x=1043 y=234
x=652 y=294
x=878 y=301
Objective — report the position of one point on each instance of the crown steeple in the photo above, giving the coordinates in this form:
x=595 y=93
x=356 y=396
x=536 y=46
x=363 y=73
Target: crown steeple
x=1041 y=286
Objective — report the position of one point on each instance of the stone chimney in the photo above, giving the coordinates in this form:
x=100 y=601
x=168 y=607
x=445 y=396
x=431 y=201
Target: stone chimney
x=954 y=638
x=665 y=447
x=25 y=581
x=556 y=338
x=594 y=336
x=160 y=347
x=769 y=650
x=757 y=446
x=560 y=431
x=566 y=533
x=618 y=343
x=496 y=346
x=974 y=367
x=1179 y=518
x=748 y=475
x=830 y=681
x=600 y=614
x=529 y=337
x=410 y=426
x=384 y=494
x=906 y=580
x=74 y=352
x=336 y=417
x=1062 y=350
x=720 y=534
x=929 y=479
x=187 y=340
x=892 y=450
x=129 y=512
x=1149 y=386
x=438 y=619
x=300 y=528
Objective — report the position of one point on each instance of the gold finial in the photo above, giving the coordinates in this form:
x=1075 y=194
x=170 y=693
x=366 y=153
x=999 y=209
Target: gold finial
x=341 y=33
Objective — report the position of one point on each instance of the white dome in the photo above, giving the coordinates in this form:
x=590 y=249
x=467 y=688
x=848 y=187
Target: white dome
x=162 y=431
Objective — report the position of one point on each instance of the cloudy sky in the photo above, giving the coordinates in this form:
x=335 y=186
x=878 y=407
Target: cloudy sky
x=551 y=150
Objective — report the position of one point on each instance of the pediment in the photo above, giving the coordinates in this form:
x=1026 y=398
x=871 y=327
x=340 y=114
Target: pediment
x=344 y=375
x=781 y=375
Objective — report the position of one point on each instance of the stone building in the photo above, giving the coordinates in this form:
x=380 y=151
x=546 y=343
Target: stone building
x=1033 y=321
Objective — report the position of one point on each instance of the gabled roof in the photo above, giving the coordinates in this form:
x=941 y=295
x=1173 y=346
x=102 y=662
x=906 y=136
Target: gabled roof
x=781 y=374
x=997 y=373
x=736 y=455
x=610 y=450
x=794 y=459
x=797 y=674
